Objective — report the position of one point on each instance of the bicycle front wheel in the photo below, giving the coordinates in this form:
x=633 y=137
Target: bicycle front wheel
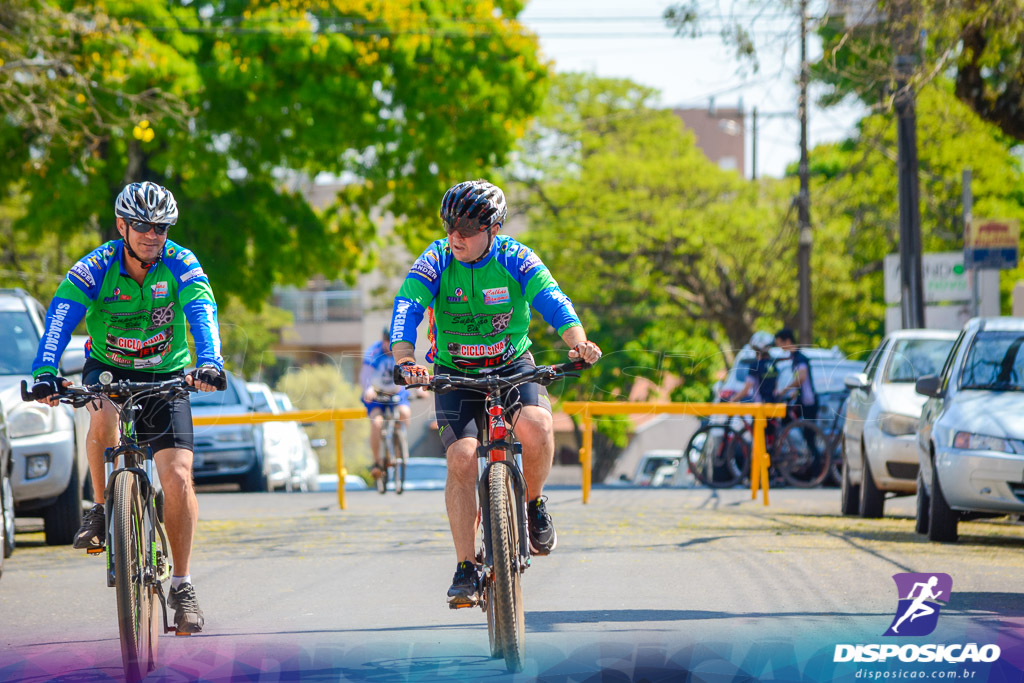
x=718 y=456
x=401 y=456
x=802 y=454
x=385 y=463
x=508 y=593
x=134 y=600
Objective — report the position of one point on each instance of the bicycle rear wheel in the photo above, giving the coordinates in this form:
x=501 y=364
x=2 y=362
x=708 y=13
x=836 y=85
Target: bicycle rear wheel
x=385 y=463
x=718 y=456
x=507 y=592
x=802 y=454
x=134 y=599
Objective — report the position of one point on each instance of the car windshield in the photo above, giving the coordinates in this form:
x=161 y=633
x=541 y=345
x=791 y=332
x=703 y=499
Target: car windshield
x=995 y=362
x=18 y=343
x=216 y=398
x=259 y=402
x=915 y=358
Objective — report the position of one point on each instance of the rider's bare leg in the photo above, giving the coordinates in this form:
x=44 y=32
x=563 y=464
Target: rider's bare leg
x=460 y=497
x=102 y=435
x=181 y=510
x=533 y=426
x=376 y=422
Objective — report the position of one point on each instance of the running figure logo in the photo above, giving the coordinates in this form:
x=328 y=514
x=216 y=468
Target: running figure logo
x=917 y=614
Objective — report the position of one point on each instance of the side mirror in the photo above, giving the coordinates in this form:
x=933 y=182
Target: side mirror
x=929 y=385
x=856 y=381
x=73 y=361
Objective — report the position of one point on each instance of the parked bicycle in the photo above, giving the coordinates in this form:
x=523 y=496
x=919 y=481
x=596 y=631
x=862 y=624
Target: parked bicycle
x=718 y=454
x=504 y=546
x=394 y=444
x=137 y=550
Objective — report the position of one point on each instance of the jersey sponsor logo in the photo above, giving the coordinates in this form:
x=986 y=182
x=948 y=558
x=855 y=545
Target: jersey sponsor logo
x=162 y=315
x=192 y=274
x=422 y=267
x=117 y=296
x=478 y=324
x=159 y=290
x=51 y=340
x=459 y=298
x=529 y=264
x=147 y=362
x=81 y=271
x=117 y=359
x=479 y=350
x=398 y=323
x=432 y=256
x=124 y=343
x=496 y=295
x=523 y=251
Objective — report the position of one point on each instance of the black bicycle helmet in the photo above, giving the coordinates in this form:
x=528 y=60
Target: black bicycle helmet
x=473 y=205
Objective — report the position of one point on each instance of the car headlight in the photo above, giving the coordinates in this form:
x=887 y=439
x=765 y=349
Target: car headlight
x=30 y=419
x=897 y=425
x=980 y=442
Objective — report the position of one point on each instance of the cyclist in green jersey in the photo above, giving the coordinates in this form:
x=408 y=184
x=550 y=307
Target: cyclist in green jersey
x=136 y=294
x=479 y=287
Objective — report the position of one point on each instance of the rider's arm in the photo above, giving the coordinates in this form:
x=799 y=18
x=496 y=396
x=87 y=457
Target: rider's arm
x=748 y=386
x=69 y=305
x=541 y=290
x=199 y=307
x=417 y=293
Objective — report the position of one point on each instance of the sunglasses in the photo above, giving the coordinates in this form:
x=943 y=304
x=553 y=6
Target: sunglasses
x=465 y=232
x=142 y=227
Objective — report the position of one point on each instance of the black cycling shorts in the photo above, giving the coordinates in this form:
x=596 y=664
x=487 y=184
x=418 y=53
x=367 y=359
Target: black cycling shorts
x=161 y=423
x=458 y=410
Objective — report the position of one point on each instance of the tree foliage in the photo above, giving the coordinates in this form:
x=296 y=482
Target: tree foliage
x=398 y=98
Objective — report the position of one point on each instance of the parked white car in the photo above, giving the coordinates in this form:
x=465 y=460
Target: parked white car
x=283 y=454
x=971 y=436
x=49 y=467
x=308 y=470
x=879 y=435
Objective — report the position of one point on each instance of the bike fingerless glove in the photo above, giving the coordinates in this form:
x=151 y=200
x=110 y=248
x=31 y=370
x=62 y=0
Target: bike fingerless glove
x=47 y=385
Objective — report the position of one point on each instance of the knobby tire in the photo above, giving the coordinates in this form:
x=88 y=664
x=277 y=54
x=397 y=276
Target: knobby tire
x=134 y=599
x=507 y=594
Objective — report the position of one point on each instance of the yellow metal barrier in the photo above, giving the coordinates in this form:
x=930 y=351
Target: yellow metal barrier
x=760 y=411
x=335 y=416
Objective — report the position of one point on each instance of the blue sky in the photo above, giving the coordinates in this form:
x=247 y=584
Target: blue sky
x=621 y=39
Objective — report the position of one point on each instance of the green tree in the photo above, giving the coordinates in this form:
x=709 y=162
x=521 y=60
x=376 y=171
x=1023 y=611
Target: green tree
x=248 y=336
x=857 y=214
x=399 y=98
x=671 y=262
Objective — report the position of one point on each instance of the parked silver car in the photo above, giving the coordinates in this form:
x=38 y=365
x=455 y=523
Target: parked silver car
x=971 y=436
x=49 y=468
x=879 y=435
x=231 y=452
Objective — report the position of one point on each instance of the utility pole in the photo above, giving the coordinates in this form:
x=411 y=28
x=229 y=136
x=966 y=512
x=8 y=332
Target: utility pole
x=804 y=200
x=967 y=200
x=911 y=279
x=753 y=147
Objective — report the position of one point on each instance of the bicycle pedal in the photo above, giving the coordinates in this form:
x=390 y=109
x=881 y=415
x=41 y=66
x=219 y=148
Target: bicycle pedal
x=460 y=605
x=94 y=551
x=182 y=633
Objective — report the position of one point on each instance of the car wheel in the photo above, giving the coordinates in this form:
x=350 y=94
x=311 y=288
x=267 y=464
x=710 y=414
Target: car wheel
x=923 y=503
x=255 y=479
x=850 y=502
x=872 y=499
x=62 y=519
x=942 y=520
x=7 y=513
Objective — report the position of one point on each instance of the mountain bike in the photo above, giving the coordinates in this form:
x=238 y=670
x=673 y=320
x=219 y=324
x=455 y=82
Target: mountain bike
x=504 y=547
x=718 y=454
x=136 y=549
x=394 y=444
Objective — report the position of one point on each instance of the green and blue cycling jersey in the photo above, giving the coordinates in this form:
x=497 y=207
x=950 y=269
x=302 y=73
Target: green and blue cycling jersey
x=479 y=313
x=132 y=326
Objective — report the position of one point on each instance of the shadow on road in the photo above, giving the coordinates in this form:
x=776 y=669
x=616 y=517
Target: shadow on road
x=540 y=621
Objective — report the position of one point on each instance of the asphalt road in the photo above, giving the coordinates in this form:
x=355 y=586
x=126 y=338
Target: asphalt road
x=642 y=581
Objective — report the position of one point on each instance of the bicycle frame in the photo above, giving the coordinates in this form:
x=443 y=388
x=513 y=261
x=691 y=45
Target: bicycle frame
x=492 y=452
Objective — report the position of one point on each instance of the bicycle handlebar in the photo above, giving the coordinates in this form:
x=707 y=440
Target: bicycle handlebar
x=78 y=395
x=542 y=374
